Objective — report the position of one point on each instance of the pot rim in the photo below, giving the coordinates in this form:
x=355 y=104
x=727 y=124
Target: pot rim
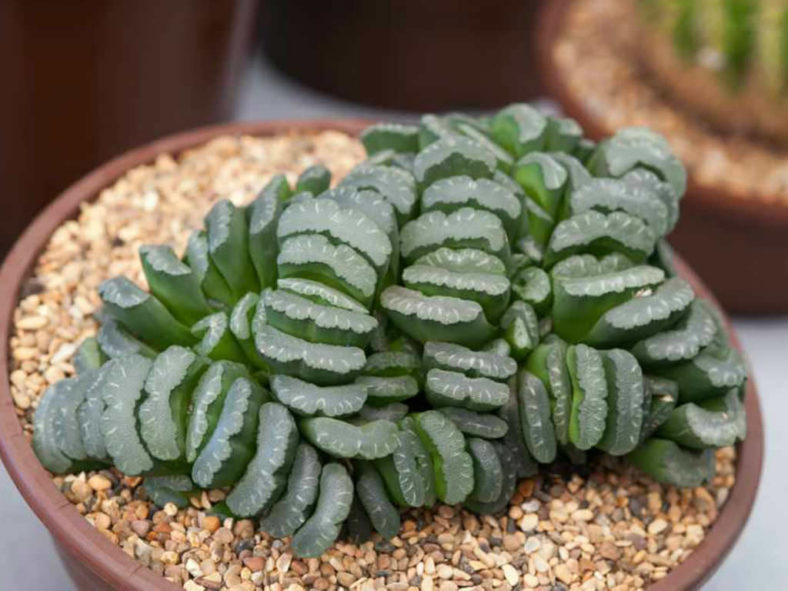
x=87 y=545
x=716 y=201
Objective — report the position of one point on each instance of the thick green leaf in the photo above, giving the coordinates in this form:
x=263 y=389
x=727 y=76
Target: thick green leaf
x=228 y=247
x=164 y=412
x=312 y=256
x=207 y=401
x=589 y=396
x=313 y=362
x=294 y=506
x=317 y=323
x=333 y=506
x=624 y=403
x=174 y=283
x=535 y=415
x=476 y=424
x=228 y=450
x=304 y=398
x=383 y=390
x=451 y=388
x=142 y=314
x=427 y=318
x=342 y=439
x=265 y=477
x=472 y=363
x=372 y=494
x=716 y=422
x=452 y=464
x=453 y=156
x=666 y=462
x=390 y=136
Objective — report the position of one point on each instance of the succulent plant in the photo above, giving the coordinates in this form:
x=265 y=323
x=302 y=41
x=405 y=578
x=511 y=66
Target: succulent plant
x=478 y=297
x=742 y=39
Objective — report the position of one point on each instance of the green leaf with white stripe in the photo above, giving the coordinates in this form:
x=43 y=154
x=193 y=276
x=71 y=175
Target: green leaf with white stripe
x=142 y=314
x=601 y=234
x=589 y=396
x=453 y=193
x=207 y=401
x=463 y=228
x=390 y=136
x=174 y=283
x=123 y=391
x=682 y=342
x=489 y=291
x=453 y=156
x=475 y=424
x=520 y=129
x=383 y=390
x=520 y=329
x=463 y=260
x=625 y=396
x=532 y=285
x=535 y=414
x=666 y=462
x=314 y=179
x=648 y=312
x=263 y=217
x=339 y=266
x=228 y=247
x=304 y=398
x=320 y=293
x=265 y=477
x=487 y=471
x=472 y=363
x=212 y=283
x=607 y=195
x=396 y=185
x=372 y=494
x=716 y=422
x=216 y=339
x=294 y=506
x=317 y=323
x=638 y=147
x=543 y=179
x=342 y=439
x=228 y=450
x=164 y=412
x=333 y=506
x=314 y=362
x=452 y=464
x=347 y=226
x=450 y=388
x=427 y=318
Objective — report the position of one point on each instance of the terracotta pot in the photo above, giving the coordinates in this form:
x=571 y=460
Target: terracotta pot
x=407 y=54
x=96 y=563
x=738 y=246
x=87 y=80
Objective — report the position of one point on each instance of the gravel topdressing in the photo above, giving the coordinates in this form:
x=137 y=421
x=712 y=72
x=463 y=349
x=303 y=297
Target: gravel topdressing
x=606 y=527
x=594 y=59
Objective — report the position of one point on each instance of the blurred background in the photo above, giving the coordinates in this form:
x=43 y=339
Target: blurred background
x=87 y=79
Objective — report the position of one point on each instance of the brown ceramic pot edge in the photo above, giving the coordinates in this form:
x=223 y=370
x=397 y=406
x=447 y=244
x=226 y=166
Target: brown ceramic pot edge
x=85 y=544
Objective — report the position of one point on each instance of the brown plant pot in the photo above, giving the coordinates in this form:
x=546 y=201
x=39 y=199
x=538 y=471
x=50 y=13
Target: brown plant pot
x=96 y=563
x=86 y=80
x=407 y=54
x=738 y=246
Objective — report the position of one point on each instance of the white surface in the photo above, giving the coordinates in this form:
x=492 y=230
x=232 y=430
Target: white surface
x=28 y=559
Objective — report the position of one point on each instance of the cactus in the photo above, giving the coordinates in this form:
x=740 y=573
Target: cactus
x=479 y=297
x=745 y=41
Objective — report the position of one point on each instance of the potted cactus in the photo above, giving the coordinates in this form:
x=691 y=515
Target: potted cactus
x=479 y=303
x=711 y=77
